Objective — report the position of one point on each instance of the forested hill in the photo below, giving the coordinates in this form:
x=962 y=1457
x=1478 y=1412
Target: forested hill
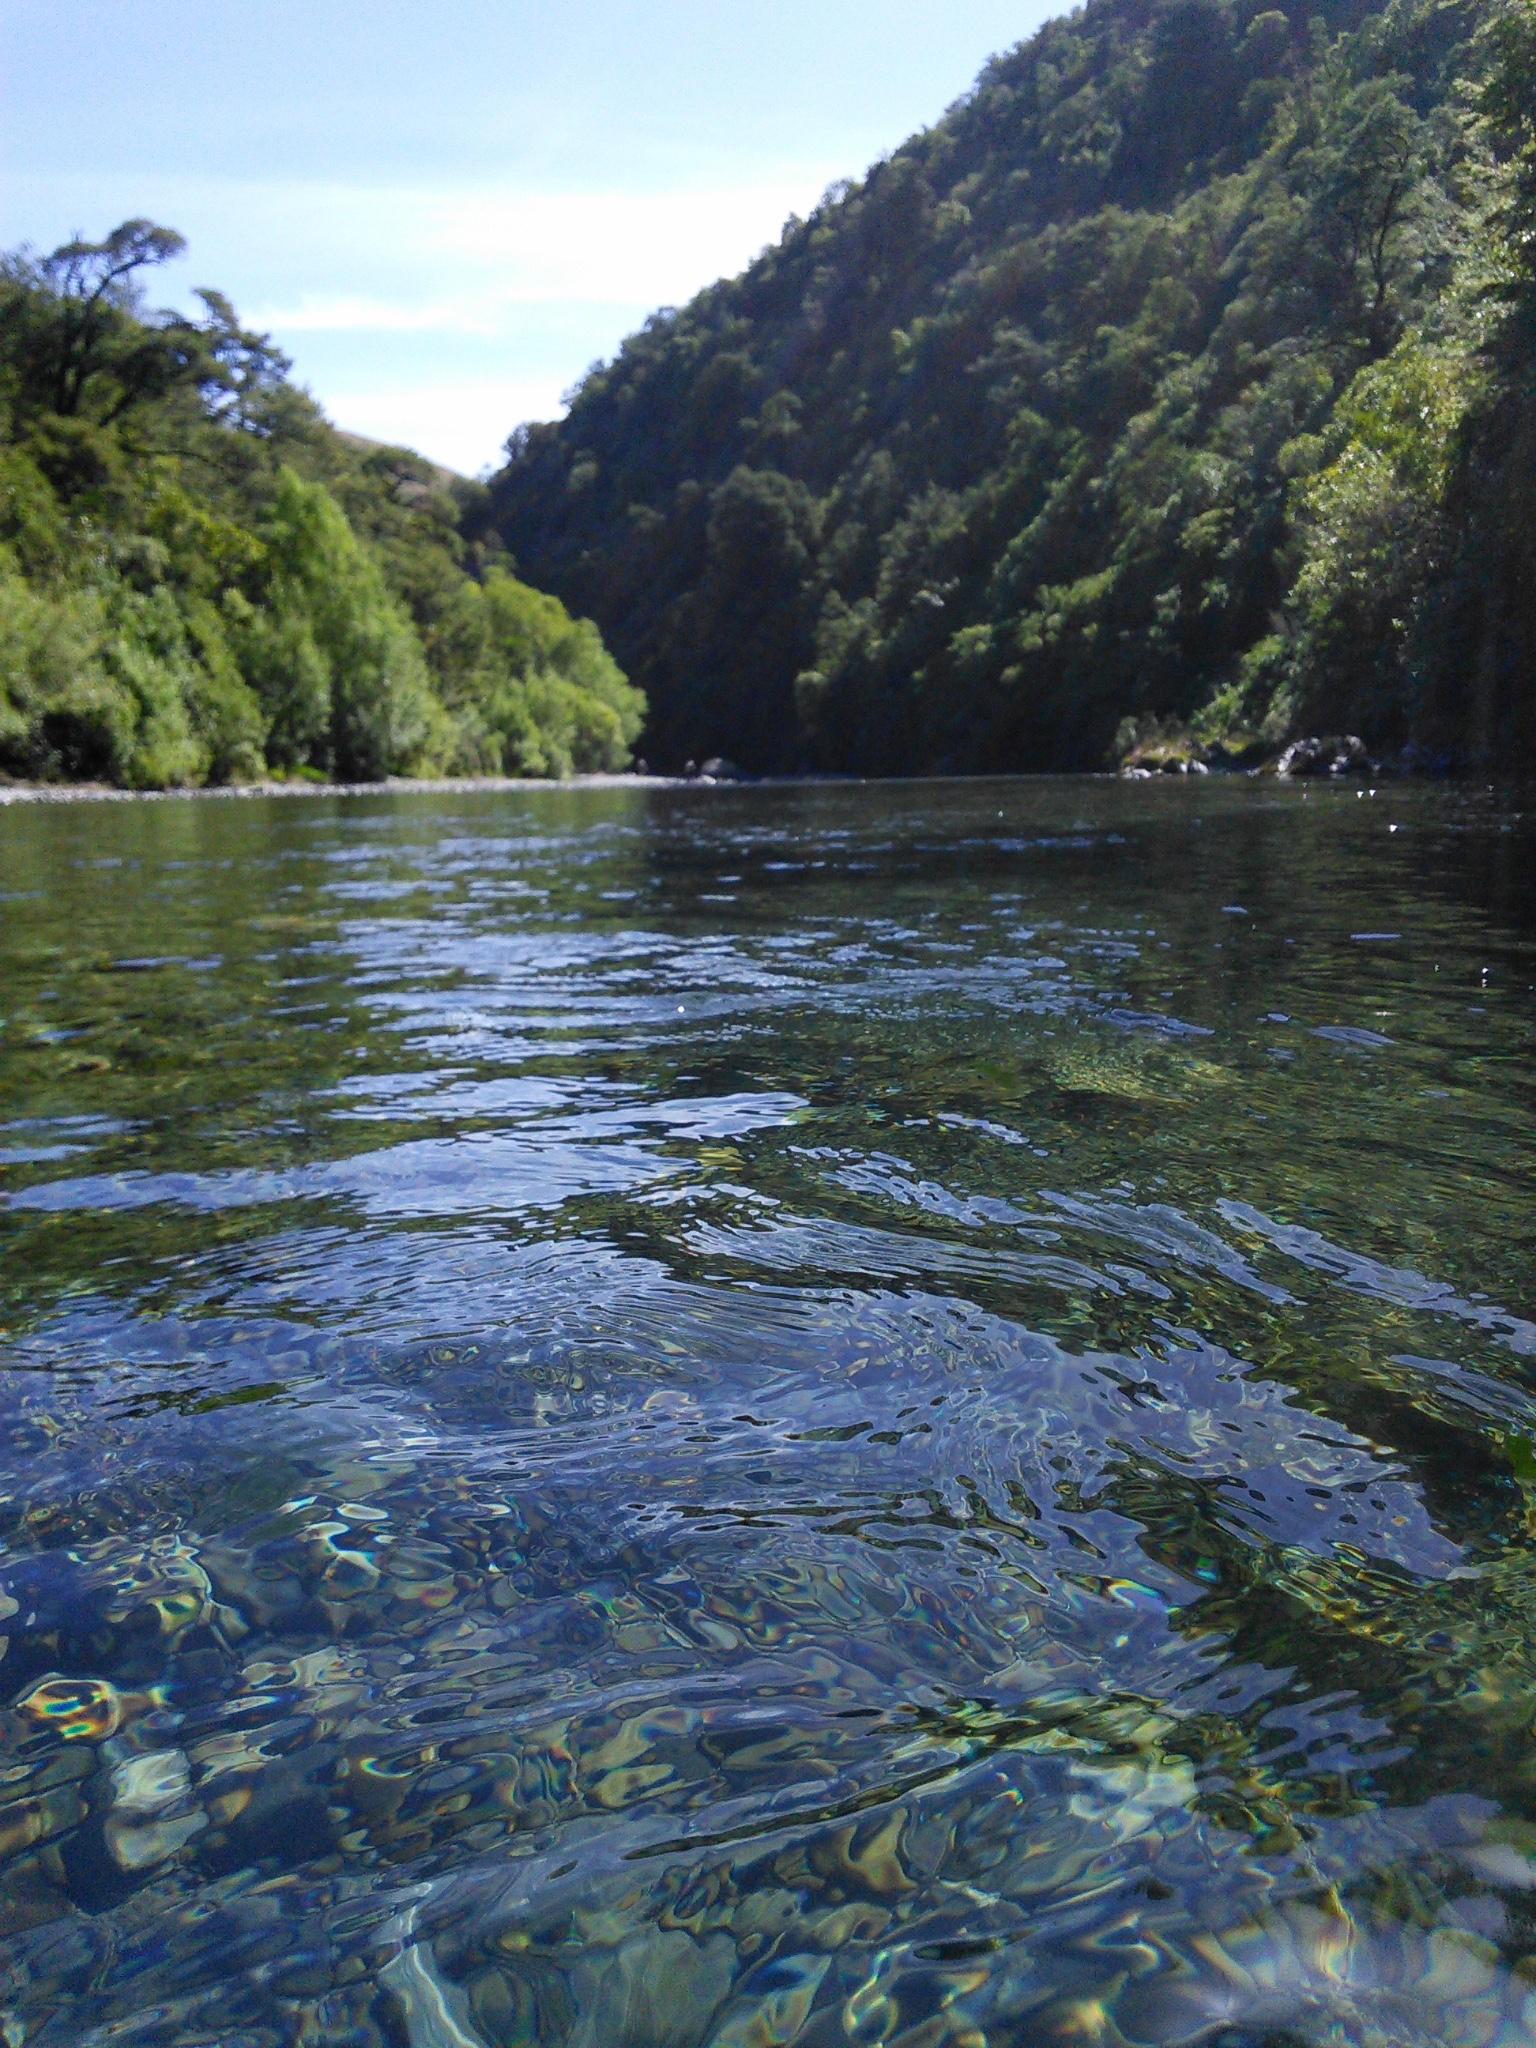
x=1174 y=393
x=201 y=580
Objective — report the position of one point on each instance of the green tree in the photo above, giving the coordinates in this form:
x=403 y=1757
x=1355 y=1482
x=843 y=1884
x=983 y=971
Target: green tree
x=331 y=652
x=749 y=628
x=72 y=334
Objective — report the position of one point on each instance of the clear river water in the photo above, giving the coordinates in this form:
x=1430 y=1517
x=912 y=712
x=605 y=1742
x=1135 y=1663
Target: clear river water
x=706 y=1418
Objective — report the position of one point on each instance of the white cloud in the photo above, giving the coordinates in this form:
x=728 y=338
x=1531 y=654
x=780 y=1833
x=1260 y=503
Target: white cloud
x=371 y=316
x=650 y=247
x=516 y=290
x=503 y=248
x=462 y=424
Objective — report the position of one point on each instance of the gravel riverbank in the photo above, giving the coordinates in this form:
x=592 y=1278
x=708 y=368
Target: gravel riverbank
x=97 y=792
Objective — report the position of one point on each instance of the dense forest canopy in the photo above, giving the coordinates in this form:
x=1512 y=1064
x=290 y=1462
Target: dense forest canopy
x=201 y=580
x=1173 y=396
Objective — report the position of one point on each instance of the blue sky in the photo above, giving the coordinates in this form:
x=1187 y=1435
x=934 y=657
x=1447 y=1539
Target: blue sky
x=444 y=212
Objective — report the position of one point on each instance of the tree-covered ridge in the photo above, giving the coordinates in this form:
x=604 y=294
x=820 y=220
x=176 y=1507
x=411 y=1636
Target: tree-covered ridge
x=201 y=580
x=1174 y=392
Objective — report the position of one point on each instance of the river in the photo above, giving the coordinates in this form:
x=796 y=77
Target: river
x=704 y=1418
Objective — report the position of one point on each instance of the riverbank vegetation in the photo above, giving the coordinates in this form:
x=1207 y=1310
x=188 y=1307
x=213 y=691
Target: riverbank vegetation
x=1173 y=397
x=202 y=581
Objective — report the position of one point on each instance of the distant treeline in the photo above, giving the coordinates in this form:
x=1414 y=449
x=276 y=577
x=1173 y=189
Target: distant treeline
x=1176 y=394
x=202 y=581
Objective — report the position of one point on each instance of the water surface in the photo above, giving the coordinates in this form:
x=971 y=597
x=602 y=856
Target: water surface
x=715 y=1418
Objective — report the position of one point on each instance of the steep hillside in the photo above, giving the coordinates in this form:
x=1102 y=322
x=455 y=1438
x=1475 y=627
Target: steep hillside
x=1144 y=403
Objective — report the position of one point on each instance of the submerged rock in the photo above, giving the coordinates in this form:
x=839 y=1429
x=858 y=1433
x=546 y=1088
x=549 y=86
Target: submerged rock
x=76 y=1709
x=656 y=1991
x=152 y=1813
